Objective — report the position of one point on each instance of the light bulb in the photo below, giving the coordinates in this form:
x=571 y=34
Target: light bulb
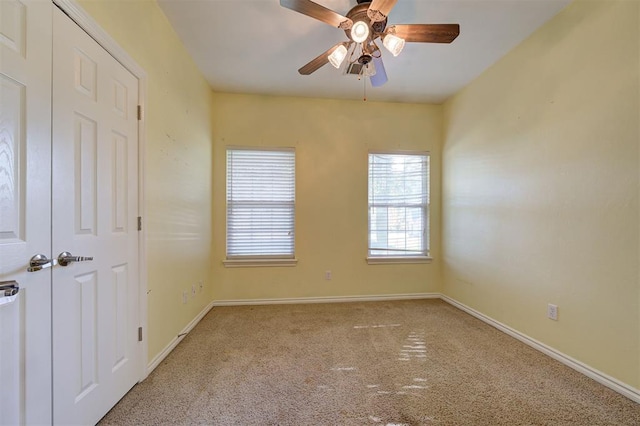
x=337 y=56
x=359 y=31
x=394 y=44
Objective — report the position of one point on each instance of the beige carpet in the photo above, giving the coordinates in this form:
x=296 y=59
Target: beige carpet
x=419 y=362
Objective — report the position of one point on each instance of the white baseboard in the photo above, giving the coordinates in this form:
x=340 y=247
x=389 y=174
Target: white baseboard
x=330 y=299
x=167 y=350
x=600 y=377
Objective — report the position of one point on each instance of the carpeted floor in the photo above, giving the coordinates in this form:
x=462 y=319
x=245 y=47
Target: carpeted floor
x=420 y=362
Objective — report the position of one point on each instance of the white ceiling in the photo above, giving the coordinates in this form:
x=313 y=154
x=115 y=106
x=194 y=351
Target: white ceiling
x=257 y=46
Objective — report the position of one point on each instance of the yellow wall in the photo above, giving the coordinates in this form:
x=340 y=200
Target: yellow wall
x=178 y=164
x=540 y=196
x=331 y=139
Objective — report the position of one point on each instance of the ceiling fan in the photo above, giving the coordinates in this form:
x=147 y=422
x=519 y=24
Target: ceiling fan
x=364 y=24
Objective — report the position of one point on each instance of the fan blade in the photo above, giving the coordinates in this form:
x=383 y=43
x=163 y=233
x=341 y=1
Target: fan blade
x=380 y=77
x=321 y=13
x=379 y=9
x=320 y=61
x=426 y=33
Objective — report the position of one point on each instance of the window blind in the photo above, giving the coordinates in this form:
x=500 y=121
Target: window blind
x=260 y=203
x=398 y=204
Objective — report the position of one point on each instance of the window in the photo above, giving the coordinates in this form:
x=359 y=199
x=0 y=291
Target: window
x=398 y=207
x=260 y=205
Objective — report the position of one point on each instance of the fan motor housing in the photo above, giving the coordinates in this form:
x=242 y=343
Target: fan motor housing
x=359 y=13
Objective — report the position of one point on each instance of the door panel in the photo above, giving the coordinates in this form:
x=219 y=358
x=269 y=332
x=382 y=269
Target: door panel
x=25 y=222
x=94 y=210
x=11 y=371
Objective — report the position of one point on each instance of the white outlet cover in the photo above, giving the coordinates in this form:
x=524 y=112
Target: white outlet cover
x=552 y=312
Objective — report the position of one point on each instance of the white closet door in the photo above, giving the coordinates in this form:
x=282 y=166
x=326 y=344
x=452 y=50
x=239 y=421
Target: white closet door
x=25 y=219
x=96 y=353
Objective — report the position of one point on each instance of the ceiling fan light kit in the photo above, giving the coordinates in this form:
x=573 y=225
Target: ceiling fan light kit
x=360 y=31
x=394 y=44
x=363 y=25
x=337 y=56
x=369 y=69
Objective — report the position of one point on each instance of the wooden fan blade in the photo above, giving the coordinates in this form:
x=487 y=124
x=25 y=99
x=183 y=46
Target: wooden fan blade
x=317 y=63
x=426 y=33
x=321 y=13
x=379 y=9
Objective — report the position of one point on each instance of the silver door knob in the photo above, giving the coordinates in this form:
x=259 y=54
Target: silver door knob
x=8 y=292
x=66 y=258
x=40 y=261
x=9 y=288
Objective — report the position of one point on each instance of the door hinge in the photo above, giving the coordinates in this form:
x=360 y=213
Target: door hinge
x=139 y=223
x=139 y=334
x=139 y=112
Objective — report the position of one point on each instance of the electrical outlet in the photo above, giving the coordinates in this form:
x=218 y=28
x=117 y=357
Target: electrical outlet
x=193 y=290
x=185 y=297
x=327 y=275
x=552 y=312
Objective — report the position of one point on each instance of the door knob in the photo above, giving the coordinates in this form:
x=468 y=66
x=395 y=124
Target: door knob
x=8 y=291
x=66 y=258
x=40 y=261
x=9 y=288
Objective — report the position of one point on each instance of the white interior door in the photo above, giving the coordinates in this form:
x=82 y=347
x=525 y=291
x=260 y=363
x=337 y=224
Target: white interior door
x=94 y=211
x=25 y=219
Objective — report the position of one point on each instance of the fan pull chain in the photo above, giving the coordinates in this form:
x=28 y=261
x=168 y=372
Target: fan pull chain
x=364 y=80
x=364 y=87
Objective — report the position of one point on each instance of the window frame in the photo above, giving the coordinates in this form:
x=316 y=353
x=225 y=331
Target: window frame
x=250 y=260
x=425 y=257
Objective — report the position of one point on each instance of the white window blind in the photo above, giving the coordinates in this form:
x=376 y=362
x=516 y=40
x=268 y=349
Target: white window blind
x=260 y=203
x=398 y=205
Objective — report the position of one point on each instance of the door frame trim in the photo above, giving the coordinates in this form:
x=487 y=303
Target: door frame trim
x=91 y=27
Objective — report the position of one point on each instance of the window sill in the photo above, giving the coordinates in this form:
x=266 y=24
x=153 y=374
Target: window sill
x=398 y=260
x=256 y=263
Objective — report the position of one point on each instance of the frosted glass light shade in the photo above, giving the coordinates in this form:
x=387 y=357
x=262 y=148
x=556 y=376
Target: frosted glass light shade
x=337 y=56
x=359 y=31
x=369 y=70
x=394 y=44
